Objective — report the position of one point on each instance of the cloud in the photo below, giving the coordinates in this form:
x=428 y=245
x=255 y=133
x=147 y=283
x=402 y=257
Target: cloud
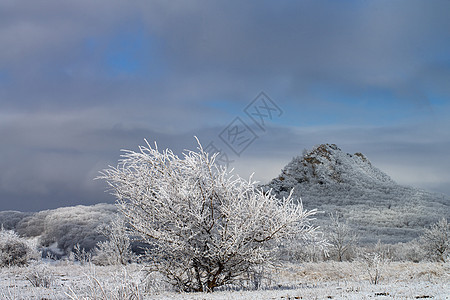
x=50 y=163
x=81 y=80
x=349 y=47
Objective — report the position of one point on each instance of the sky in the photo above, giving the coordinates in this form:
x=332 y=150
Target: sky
x=258 y=80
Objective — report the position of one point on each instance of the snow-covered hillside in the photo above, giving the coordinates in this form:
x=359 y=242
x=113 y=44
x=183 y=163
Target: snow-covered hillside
x=62 y=228
x=376 y=206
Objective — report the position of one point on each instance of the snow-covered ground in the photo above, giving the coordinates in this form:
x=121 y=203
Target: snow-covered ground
x=324 y=280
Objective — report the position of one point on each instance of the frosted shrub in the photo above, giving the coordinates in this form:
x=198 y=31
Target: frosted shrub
x=40 y=276
x=376 y=262
x=302 y=252
x=206 y=227
x=435 y=241
x=116 y=250
x=375 y=265
x=342 y=239
x=14 y=250
x=410 y=251
x=81 y=255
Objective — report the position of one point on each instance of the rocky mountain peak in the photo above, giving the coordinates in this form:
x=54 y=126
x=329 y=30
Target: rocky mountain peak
x=328 y=164
x=324 y=150
x=332 y=180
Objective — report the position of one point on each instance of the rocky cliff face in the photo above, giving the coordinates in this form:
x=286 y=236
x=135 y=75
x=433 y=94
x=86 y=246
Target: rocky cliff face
x=374 y=205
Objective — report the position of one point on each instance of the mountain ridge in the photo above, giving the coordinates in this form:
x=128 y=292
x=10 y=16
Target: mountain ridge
x=373 y=204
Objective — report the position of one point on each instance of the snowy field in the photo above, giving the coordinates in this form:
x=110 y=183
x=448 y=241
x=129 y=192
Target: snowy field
x=324 y=280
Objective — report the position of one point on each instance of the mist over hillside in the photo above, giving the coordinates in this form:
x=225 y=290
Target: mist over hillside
x=374 y=205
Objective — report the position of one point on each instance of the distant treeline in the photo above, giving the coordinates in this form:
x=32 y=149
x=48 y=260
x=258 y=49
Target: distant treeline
x=62 y=227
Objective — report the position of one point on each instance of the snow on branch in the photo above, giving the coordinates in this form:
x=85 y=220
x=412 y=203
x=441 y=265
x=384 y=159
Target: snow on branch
x=206 y=226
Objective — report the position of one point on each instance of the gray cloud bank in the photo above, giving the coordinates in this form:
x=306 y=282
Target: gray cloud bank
x=53 y=171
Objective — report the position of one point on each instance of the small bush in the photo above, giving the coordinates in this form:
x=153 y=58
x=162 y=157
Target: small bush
x=40 y=276
x=436 y=241
x=342 y=239
x=410 y=251
x=376 y=262
x=14 y=250
x=116 y=250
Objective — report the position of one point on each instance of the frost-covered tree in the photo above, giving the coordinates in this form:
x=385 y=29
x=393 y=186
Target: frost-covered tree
x=435 y=241
x=116 y=250
x=341 y=237
x=206 y=227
